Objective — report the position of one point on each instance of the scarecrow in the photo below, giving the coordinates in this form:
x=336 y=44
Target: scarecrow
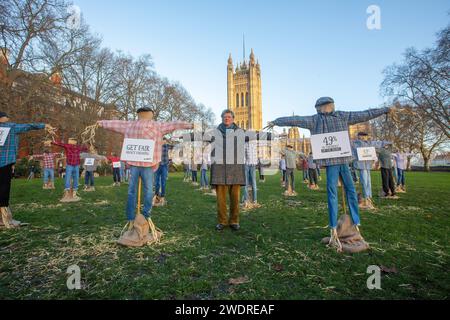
x=140 y=230
x=72 y=151
x=91 y=162
x=327 y=120
x=9 y=144
x=364 y=165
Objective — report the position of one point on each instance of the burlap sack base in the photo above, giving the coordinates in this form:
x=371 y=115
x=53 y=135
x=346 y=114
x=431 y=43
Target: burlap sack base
x=350 y=238
x=139 y=235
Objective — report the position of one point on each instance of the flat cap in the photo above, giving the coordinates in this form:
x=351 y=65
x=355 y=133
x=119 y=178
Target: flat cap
x=145 y=109
x=323 y=101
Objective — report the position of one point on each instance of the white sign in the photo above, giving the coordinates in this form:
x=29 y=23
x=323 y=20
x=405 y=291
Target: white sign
x=331 y=145
x=140 y=150
x=3 y=135
x=89 y=162
x=116 y=164
x=367 y=153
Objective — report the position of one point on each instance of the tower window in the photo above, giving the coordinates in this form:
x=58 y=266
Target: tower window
x=237 y=100
x=246 y=99
x=242 y=99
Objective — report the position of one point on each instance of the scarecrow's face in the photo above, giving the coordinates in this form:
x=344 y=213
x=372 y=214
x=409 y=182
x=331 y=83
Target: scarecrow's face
x=4 y=119
x=145 y=115
x=72 y=141
x=326 y=108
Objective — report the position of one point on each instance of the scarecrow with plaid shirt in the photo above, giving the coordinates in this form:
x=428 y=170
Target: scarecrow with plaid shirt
x=325 y=121
x=8 y=154
x=144 y=128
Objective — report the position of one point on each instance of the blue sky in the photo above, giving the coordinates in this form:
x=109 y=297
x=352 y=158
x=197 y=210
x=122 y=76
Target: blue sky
x=306 y=49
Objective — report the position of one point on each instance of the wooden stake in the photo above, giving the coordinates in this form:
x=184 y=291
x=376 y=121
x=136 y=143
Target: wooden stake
x=138 y=209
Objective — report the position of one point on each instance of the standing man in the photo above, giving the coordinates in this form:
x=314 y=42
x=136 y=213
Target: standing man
x=161 y=175
x=227 y=170
x=325 y=121
x=144 y=128
x=387 y=178
x=72 y=151
x=49 y=167
x=364 y=167
x=9 y=145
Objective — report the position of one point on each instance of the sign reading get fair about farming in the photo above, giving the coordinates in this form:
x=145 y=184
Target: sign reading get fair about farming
x=331 y=145
x=139 y=150
x=3 y=135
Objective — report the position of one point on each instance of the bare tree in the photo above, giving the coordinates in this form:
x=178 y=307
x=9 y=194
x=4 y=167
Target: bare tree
x=423 y=80
x=412 y=130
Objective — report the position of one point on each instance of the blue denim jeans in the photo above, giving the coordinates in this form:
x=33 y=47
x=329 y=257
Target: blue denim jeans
x=204 y=178
x=366 y=182
x=160 y=180
x=333 y=173
x=74 y=173
x=49 y=173
x=89 y=178
x=250 y=179
x=400 y=177
x=146 y=174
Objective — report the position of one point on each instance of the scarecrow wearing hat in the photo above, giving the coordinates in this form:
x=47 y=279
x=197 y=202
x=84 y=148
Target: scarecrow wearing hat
x=328 y=120
x=9 y=144
x=138 y=225
x=72 y=151
x=364 y=167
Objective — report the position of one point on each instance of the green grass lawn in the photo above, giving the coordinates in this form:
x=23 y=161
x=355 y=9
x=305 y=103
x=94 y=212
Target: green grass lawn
x=278 y=248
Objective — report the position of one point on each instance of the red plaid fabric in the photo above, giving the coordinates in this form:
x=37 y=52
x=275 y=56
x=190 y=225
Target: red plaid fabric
x=48 y=159
x=72 y=152
x=145 y=129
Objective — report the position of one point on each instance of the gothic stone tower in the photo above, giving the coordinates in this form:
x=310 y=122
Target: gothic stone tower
x=244 y=93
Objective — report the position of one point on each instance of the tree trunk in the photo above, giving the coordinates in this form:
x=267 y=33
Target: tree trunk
x=426 y=164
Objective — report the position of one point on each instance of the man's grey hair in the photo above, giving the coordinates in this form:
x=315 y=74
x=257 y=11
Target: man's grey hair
x=227 y=111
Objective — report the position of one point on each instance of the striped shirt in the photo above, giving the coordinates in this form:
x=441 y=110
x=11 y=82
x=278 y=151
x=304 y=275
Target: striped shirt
x=8 y=152
x=145 y=129
x=330 y=122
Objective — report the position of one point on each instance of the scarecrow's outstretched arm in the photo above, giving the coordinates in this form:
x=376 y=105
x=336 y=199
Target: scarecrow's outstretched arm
x=306 y=122
x=354 y=117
